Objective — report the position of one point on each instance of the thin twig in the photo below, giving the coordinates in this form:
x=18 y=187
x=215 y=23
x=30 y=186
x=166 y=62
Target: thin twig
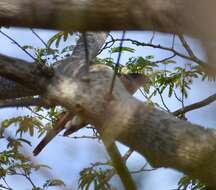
x=179 y=99
x=17 y=44
x=81 y=137
x=143 y=94
x=6 y=183
x=116 y=69
x=194 y=106
x=186 y=46
x=162 y=100
x=39 y=115
x=143 y=169
x=23 y=102
x=164 y=60
x=152 y=38
x=173 y=41
x=135 y=42
x=43 y=42
x=28 y=178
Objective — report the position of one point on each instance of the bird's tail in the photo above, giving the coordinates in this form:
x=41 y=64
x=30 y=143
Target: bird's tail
x=53 y=132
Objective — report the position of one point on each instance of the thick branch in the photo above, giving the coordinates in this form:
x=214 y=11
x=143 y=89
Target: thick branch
x=22 y=72
x=24 y=102
x=166 y=141
x=196 y=105
x=172 y=16
x=10 y=89
x=166 y=16
x=90 y=15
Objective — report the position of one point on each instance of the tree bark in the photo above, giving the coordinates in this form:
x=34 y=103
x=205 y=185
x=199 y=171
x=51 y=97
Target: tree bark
x=191 y=17
x=10 y=89
x=14 y=83
x=194 y=17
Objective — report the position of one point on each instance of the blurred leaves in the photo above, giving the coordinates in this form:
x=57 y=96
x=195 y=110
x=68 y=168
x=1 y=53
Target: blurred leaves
x=93 y=177
x=26 y=124
x=53 y=182
x=186 y=183
x=63 y=35
x=122 y=49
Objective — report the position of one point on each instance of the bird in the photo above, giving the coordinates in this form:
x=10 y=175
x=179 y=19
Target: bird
x=133 y=81
x=72 y=123
x=58 y=127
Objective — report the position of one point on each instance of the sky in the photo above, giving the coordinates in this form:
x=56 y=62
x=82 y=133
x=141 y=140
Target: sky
x=69 y=156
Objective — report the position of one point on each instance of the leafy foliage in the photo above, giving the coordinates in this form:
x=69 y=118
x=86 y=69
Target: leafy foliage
x=58 y=37
x=186 y=183
x=95 y=177
x=122 y=49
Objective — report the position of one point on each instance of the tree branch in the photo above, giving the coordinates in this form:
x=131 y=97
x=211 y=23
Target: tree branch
x=190 y=57
x=171 y=16
x=194 y=106
x=10 y=89
x=24 y=102
x=166 y=141
x=92 y=15
x=22 y=72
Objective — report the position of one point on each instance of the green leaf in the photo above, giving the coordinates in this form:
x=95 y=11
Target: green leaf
x=68 y=49
x=25 y=141
x=57 y=38
x=54 y=182
x=150 y=57
x=167 y=62
x=122 y=49
x=2 y=172
x=186 y=182
x=28 y=47
x=39 y=166
x=171 y=90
